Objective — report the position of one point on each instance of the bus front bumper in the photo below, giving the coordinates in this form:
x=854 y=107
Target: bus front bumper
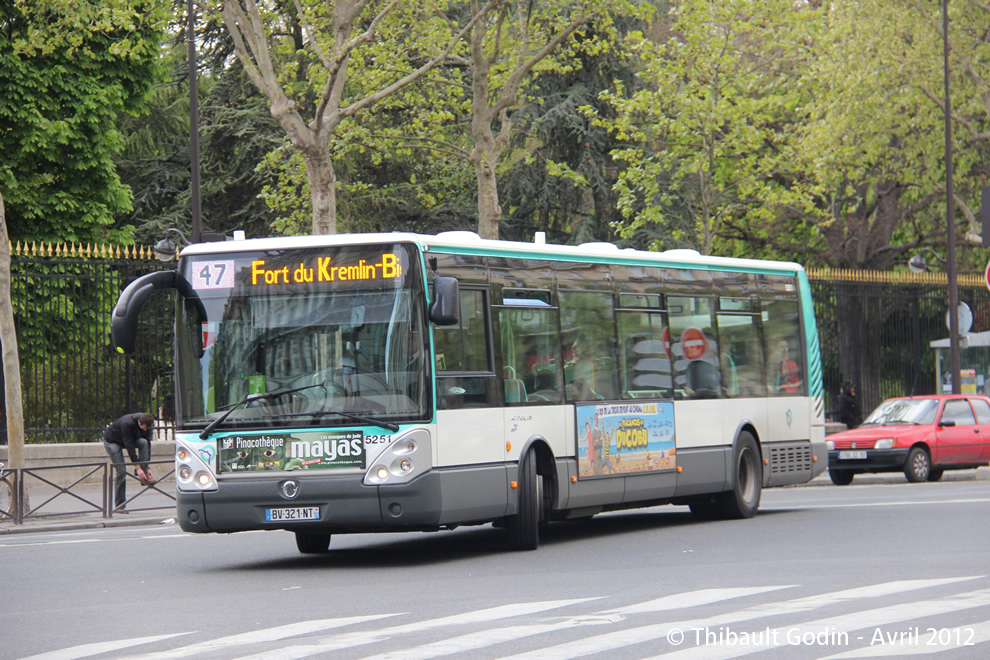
x=345 y=504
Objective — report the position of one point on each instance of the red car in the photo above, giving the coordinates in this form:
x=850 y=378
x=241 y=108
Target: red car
x=922 y=435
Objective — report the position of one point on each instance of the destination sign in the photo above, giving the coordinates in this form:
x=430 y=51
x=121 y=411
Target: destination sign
x=331 y=268
x=325 y=269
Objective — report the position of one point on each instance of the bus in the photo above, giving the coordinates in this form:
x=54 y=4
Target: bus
x=402 y=382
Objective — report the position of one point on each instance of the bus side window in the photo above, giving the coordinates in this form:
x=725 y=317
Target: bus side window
x=586 y=323
x=741 y=355
x=782 y=333
x=694 y=349
x=465 y=377
x=646 y=364
x=530 y=346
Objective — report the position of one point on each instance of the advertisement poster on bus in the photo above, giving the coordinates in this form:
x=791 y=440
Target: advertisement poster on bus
x=625 y=438
x=299 y=451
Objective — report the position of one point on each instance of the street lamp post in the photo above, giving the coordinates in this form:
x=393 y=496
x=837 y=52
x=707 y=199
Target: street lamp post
x=954 y=361
x=193 y=124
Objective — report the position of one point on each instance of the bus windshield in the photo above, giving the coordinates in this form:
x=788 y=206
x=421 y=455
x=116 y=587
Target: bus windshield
x=302 y=338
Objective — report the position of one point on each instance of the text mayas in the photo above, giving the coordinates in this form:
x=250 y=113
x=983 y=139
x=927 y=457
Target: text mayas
x=327 y=448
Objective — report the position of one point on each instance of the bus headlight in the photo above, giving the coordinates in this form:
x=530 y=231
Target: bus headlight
x=191 y=471
x=409 y=456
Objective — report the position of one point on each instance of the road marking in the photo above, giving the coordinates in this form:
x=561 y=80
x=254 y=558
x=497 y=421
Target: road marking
x=837 y=628
x=180 y=535
x=693 y=599
x=602 y=634
x=486 y=638
x=652 y=633
x=919 y=645
x=87 y=650
x=349 y=640
x=783 y=507
x=260 y=636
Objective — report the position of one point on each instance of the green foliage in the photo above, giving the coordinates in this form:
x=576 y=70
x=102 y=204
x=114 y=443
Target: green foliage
x=236 y=133
x=806 y=131
x=66 y=70
x=560 y=176
x=703 y=131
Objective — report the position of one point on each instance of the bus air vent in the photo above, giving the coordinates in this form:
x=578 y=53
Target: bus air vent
x=790 y=458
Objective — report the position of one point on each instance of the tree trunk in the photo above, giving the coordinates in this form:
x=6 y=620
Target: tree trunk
x=322 y=190
x=11 y=362
x=489 y=211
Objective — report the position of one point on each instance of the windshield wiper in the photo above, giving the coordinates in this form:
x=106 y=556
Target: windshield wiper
x=391 y=426
x=253 y=397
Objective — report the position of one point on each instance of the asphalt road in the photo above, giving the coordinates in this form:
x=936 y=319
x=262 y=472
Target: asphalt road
x=884 y=569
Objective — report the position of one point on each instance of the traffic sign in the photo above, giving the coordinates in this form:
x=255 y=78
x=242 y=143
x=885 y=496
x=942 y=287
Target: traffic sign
x=694 y=344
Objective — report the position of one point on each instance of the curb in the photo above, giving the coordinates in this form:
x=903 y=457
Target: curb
x=866 y=478
x=166 y=518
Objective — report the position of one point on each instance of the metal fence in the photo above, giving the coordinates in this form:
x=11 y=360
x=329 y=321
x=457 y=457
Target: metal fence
x=73 y=381
x=874 y=329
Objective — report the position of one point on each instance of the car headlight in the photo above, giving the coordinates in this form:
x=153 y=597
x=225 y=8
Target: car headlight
x=829 y=445
x=885 y=443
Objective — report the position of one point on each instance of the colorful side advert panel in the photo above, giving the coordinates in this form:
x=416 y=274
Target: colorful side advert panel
x=624 y=438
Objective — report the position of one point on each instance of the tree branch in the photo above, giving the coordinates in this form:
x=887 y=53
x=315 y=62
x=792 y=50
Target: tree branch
x=415 y=75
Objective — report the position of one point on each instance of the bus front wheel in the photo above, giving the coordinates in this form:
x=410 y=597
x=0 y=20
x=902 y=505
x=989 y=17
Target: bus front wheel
x=312 y=544
x=744 y=498
x=524 y=527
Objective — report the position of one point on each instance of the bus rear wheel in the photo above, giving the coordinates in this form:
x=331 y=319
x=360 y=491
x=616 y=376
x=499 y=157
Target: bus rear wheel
x=744 y=498
x=524 y=527
x=312 y=544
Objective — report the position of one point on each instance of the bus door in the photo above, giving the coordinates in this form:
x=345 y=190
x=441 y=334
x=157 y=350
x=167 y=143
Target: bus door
x=532 y=372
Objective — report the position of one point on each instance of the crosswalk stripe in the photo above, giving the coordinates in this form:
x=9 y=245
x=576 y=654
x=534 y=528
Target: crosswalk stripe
x=692 y=599
x=486 y=638
x=622 y=638
x=836 y=629
x=349 y=640
x=96 y=648
x=260 y=636
x=963 y=636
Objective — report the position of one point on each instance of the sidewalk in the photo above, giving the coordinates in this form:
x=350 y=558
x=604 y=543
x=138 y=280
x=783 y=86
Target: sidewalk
x=81 y=507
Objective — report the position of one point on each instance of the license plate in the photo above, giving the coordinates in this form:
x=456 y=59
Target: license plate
x=846 y=455
x=289 y=514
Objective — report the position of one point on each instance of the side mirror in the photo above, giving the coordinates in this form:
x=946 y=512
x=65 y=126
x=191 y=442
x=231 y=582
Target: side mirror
x=445 y=309
x=123 y=321
x=947 y=422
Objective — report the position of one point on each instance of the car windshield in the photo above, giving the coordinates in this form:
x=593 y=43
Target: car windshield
x=903 y=411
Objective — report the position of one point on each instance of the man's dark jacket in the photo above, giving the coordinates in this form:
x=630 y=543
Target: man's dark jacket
x=125 y=432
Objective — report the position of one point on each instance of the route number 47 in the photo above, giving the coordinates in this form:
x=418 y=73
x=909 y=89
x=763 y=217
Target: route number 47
x=213 y=275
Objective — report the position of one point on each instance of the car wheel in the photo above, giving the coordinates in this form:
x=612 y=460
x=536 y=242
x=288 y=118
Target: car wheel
x=312 y=544
x=918 y=465
x=935 y=475
x=841 y=477
x=744 y=498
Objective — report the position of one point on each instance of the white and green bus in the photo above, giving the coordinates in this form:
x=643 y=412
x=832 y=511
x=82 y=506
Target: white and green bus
x=403 y=382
